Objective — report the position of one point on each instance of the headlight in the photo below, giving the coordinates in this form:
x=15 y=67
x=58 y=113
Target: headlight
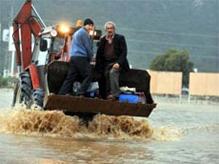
x=53 y=33
x=93 y=33
x=63 y=28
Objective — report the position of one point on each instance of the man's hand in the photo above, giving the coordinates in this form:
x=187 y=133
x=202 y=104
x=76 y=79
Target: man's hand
x=93 y=61
x=116 y=66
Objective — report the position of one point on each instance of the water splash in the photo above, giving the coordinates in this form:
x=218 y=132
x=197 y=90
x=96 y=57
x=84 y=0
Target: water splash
x=56 y=124
x=167 y=134
x=120 y=126
x=24 y=121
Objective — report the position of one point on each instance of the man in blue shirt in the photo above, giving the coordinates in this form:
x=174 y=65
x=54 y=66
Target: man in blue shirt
x=81 y=54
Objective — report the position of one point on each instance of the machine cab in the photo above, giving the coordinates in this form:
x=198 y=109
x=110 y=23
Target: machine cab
x=56 y=42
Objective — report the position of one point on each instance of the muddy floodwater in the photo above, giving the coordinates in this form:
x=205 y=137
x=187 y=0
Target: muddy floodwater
x=175 y=132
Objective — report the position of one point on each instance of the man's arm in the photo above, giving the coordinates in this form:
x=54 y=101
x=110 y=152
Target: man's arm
x=99 y=56
x=123 y=47
x=88 y=44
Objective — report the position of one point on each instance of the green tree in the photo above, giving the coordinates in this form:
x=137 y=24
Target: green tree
x=176 y=61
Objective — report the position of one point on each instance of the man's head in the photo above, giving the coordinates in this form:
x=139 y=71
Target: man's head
x=110 y=28
x=89 y=24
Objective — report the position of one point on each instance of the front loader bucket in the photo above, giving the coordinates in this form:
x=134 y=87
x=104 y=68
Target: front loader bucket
x=134 y=78
x=139 y=79
x=78 y=105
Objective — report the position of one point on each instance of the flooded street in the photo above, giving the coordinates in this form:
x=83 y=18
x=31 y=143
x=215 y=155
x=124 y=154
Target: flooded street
x=174 y=133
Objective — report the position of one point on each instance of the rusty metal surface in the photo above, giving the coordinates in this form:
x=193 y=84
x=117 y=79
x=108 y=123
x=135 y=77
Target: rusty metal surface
x=91 y=105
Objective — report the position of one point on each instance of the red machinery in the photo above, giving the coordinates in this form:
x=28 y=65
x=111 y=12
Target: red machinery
x=42 y=58
x=25 y=24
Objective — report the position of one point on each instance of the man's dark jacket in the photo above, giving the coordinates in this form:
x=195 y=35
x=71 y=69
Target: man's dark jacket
x=120 y=50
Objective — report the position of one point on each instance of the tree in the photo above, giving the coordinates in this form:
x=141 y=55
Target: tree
x=176 y=61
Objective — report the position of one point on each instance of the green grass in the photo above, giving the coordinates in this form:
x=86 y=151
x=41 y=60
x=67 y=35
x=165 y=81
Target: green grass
x=7 y=82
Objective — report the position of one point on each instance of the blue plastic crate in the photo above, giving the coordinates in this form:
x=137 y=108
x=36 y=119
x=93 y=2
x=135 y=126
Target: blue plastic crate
x=129 y=98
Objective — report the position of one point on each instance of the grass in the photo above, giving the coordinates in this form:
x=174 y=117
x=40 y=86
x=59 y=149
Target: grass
x=7 y=82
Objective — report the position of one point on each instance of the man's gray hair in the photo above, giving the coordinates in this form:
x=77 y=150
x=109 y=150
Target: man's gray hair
x=109 y=23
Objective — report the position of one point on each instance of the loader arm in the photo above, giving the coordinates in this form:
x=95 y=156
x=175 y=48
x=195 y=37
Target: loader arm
x=26 y=23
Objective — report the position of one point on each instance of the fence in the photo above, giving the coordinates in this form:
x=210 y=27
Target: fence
x=166 y=82
x=204 y=84
x=200 y=84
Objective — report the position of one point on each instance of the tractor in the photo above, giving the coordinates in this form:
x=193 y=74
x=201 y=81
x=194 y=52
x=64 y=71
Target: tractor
x=42 y=58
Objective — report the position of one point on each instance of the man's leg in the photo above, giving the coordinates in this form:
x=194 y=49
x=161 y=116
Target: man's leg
x=102 y=86
x=67 y=86
x=114 y=82
x=107 y=80
x=85 y=72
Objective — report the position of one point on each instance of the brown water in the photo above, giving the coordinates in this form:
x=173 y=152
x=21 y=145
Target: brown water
x=177 y=133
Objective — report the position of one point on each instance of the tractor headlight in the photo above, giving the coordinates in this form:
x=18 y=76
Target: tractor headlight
x=53 y=33
x=64 y=29
x=92 y=33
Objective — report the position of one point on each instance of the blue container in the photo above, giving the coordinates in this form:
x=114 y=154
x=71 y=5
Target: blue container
x=129 y=98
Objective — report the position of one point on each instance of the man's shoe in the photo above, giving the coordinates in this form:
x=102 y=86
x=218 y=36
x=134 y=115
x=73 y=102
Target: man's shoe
x=111 y=97
x=81 y=96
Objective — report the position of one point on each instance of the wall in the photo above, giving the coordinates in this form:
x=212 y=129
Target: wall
x=204 y=84
x=166 y=82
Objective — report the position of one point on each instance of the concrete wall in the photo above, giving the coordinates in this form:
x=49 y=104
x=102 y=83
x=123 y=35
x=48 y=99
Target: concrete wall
x=204 y=84
x=200 y=84
x=166 y=82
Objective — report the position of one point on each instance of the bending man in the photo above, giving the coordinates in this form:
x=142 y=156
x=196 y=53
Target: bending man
x=81 y=55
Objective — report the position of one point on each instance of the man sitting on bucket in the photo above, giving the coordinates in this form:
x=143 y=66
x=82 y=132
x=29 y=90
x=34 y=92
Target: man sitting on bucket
x=111 y=59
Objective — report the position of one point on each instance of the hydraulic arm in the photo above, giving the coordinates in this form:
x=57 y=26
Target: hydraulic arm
x=26 y=23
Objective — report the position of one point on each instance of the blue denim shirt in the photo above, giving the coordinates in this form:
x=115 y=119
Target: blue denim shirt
x=82 y=44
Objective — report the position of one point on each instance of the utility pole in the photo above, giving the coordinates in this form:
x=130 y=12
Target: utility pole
x=11 y=56
x=0 y=31
x=1 y=51
x=0 y=27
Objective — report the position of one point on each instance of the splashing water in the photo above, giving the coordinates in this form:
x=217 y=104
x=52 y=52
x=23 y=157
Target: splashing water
x=167 y=134
x=24 y=121
x=120 y=126
x=57 y=124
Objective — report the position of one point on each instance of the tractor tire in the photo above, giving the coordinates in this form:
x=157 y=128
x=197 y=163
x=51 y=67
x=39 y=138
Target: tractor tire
x=38 y=97
x=26 y=89
x=24 y=93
